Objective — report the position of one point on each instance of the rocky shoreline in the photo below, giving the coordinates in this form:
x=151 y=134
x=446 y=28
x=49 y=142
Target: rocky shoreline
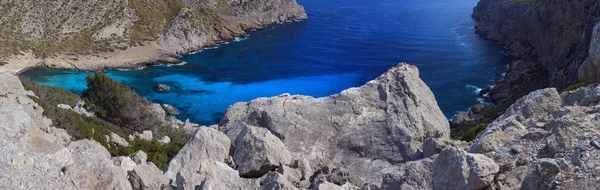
x=551 y=44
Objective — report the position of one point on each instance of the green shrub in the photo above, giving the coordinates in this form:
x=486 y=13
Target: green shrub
x=119 y=104
x=574 y=87
x=78 y=126
x=159 y=154
x=472 y=133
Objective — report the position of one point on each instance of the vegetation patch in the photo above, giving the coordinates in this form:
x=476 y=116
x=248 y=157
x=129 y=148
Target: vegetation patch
x=473 y=132
x=574 y=87
x=154 y=18
x=119 y=104
x=94 y=128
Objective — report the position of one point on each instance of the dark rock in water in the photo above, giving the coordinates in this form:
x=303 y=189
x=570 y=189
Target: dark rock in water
x=170 y=110
x=485 y=91
x=162 y=87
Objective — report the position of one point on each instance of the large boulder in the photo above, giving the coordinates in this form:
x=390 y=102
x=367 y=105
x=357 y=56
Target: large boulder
x=257 y=152
x=385 y=120
x=147 y=176
x=201 y=163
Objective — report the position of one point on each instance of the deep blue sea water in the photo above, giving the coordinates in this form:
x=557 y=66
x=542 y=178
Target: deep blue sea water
x=345 y=43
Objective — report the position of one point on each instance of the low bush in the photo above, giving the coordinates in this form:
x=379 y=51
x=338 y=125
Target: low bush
x=159 y=154
x=94 y=128
x=53 y=94
x=472 y=133
x=119 y=104
x=574 y=87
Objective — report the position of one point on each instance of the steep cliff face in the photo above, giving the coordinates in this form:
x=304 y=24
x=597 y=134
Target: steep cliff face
x=548 y=41
x=92 y=35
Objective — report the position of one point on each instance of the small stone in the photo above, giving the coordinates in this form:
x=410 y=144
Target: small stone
x=165 y=140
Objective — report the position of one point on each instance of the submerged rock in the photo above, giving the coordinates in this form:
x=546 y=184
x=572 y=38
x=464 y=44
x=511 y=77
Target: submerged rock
x=162 y=87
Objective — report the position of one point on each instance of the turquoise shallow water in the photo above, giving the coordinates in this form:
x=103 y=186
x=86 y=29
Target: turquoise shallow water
x=343 y=44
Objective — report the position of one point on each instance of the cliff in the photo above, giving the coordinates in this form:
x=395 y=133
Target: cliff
x=550 y=43
x=94 y=35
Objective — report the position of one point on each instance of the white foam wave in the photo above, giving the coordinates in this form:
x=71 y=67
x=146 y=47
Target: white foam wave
x=475 y=88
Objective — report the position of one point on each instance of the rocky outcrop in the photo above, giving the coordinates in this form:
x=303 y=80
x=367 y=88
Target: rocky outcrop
x=540 y=141
x=376 y=125
x=551 y=42
x=126 y=34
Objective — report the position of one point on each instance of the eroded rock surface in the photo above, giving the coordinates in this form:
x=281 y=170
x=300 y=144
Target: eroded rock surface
x=381 y=123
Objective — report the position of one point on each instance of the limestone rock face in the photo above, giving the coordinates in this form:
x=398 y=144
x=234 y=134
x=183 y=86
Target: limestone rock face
x=257 y=152
x=385 y=120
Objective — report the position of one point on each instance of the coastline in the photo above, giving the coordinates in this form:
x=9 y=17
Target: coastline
x=137 y=57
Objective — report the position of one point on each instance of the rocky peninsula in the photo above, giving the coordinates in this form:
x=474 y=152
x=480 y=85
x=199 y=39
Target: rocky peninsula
x=98 y=35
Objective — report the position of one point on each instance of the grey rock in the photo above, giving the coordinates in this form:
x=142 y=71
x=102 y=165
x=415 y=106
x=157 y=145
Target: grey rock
x=257 y=152
x=435 y=146
x=118 y=140
x=540 y=174
x=328 y=186
x=64 y=106
x=341 y=176
x=386 y=120
x=414 y=175
x=147 y=176
x=276 y=181
x=145 y=135
x=200 y=163
x=158 y=112
x=164 y=140
x=456 y=169
x=139 y=157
